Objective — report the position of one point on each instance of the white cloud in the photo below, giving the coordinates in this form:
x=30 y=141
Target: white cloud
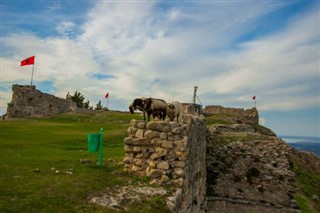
x=164 y=52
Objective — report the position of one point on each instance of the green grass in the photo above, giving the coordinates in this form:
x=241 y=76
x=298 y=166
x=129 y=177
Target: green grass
x=31 y=150
x=218 y=119
x=308 y=184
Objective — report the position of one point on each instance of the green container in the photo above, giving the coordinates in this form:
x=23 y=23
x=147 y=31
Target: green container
x=93 y=142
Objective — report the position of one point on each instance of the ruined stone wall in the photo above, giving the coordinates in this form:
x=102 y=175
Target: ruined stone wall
x=239 y=115
x=27 y=101
x=254 y=175
x=171 y=153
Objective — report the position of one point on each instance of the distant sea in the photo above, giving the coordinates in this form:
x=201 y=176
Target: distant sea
x=309 y=144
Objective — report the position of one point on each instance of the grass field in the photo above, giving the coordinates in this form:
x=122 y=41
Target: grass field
x=39 y=155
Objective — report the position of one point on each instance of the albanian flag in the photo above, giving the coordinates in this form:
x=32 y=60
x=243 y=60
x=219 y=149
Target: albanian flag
x=107 y=95
x=254 y=98
x=27 y=61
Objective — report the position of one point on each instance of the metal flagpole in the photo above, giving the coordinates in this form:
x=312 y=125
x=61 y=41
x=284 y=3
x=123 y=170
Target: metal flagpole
x=32 y=74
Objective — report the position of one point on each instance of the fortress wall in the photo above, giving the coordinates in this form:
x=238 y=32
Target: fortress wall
x=171 y=153
x=240 y=115
x=27 y=101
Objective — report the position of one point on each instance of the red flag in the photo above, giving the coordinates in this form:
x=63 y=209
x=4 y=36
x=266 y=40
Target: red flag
x=27 y=61
x=107 y=95
x=254 y=97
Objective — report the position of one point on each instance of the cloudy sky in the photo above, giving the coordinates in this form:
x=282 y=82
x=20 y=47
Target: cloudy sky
x=231 y=50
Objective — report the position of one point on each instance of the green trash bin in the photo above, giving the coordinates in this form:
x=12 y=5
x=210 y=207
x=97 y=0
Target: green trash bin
x=93 y=142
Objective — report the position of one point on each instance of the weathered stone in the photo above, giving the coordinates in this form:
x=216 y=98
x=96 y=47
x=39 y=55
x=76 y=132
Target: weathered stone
x=179 y=164
x=134 y=123
x=163 y=165
x=180 y=154
x=167 y=144
x=163 y=136
x=178 y=182
x=160 y=126
x=128 y=140
x=164 y=178
x=177 y=173
x=128 y=148
x=138 y=162
x=161 y=151
x=180 y=145
x=136 y=168
x=152 y=165
x=136 y=149
x=139 y=133
x=167 y=161
x=140 y=142
x=155 y=173
x=132 y=130
x=156 y=142
x=177 y=130
x=141 y=125
x=154 y=156
x=127 y=160
x=149 y=134
x=27 y=101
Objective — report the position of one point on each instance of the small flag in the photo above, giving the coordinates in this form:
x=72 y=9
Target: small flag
x=107 y=95
x=254 y=98
x=27 y=61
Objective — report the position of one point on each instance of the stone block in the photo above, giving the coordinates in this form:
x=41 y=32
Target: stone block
x=177 y=173
x=178 y=182
x=161 y=151
x=179 y=164
x=128 y=140
x=156 y=173
x=128 y=148
x=136 y=149
x=138 y=162
x=135 y=168
x=167 y=144
x=149 y=134
x=134 y=123
x=164 y=165
x=152 y=164
x=127 y=160
x=139 y=133
x=180 y=145
x=164 y=178
x=154 y=156
x=161 y=126
x=163 y=136
x=132 y=130
x=141 y=125
x=140 y=142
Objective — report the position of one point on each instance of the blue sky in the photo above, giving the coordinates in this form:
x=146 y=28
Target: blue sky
x=232 y=50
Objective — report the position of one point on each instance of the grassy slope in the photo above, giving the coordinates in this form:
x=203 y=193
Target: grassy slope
x=46 y=145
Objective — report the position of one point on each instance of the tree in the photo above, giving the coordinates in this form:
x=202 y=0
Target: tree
x=78 y=99
x=99 y=106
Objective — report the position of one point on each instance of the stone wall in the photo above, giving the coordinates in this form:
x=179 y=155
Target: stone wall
x=239 y=115
x=171 y=153
x=27 y=101
x=248 y=172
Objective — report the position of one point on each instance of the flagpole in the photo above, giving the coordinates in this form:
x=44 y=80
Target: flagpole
x=107 y=103
x=32 y=74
